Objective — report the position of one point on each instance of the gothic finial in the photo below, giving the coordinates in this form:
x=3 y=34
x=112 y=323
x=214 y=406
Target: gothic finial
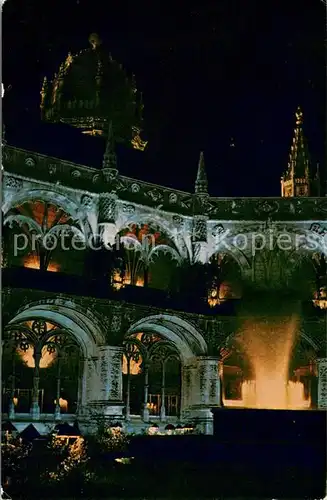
x=299 y=116
x=296 y=180
x=110 y=158
x=94 y=40
x=201 y=183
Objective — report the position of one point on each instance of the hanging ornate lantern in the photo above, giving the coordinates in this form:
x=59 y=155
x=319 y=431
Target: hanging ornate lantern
x=92 y=90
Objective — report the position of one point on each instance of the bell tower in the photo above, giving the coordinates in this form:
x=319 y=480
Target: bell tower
x=296 y=180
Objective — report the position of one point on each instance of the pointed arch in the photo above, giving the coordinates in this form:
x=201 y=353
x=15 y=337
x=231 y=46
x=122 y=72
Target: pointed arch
x=45 y=195
x=84 y=326
x=186 y=338
x=234 y=252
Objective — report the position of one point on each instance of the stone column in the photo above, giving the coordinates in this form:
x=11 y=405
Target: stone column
x=322 y=383
x=107 y=393
x=209 y=381
x=201 y=391
x=163 y=392
x=57 y=406
x=35 y=407
x=11 y=410
x=89 y=385
x=145 y=410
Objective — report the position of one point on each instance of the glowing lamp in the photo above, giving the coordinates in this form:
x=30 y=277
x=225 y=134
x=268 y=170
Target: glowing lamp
x=153 y=429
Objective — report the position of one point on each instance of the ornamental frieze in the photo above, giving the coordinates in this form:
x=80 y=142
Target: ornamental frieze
x=39 y=168
x=267 y=207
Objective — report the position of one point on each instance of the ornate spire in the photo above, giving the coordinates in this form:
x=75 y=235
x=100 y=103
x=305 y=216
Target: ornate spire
x=110 y=158
x=298 y=165
x=296 y=180
x=201 y=183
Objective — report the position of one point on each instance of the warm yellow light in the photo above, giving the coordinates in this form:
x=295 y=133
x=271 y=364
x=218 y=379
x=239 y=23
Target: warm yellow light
x=33 y=262
x=134 y=366
x=322 y=303
x=27 y=357
x=320 y=299
x=63 y=404
x=274 y=394
x=152 y=407
x=213 y=299
x=268 y=347
x=119 y=283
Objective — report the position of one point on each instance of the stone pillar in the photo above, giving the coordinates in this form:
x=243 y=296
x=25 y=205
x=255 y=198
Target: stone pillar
x=209 y=381
x=322 y=383
x=145 y=410
x=82 y=386
x=201 y=391
x=35 y=406
x=107 y=398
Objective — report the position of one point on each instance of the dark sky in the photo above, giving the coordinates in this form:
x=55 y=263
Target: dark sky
x=212 y=73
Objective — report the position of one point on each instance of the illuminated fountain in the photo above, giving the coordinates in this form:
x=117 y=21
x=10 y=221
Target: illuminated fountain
x=268 y=345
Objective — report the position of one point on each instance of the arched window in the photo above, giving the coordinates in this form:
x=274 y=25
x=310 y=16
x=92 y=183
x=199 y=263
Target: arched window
x=151 y=375
x=41 y=370
x=224 y=276
x=40 y=237
x=150 y=257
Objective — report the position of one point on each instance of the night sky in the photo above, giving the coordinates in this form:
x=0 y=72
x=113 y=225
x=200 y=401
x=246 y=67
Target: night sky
x=220 y=76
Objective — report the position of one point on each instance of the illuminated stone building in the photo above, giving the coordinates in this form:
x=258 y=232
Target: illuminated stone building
x=174 y=312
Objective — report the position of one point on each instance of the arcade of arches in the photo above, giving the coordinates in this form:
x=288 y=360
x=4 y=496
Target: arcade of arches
x=50 y=373
x=58 y=365
x=55 y=369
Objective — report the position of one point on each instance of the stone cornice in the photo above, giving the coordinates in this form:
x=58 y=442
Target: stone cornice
x=41 y=168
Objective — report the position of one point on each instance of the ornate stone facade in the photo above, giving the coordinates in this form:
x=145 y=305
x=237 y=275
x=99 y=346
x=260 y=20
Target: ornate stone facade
x=105 y=207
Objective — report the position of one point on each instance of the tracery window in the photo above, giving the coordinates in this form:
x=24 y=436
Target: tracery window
x=41 y=369
x=224 y=279
x=150 y=257
x=40 y=228
x=151 y=376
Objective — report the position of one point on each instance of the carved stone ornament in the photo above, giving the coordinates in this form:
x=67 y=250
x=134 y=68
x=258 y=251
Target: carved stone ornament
x=107 y=208
x=76 y=174
x=178 y=221
x=30 y=162
x=13 y=183
x=217 y=230
x=267 y=207
x=52 y=168
x=110 y=174
x=128 y=209
x=199 y=230
x=96 y=178
x=115 y=324
x=155 y=195
x=86 y=201
x=135 y=188
x=173 y=198
x=322 y=207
